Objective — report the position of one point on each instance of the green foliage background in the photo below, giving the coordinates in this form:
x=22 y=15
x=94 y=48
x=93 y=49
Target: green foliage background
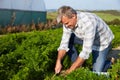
x=32 y=55
x=28 y=56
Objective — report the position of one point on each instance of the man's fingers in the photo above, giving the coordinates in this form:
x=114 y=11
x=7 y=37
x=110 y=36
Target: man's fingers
x=63 y=73
x=57 y=71
x=58 y=67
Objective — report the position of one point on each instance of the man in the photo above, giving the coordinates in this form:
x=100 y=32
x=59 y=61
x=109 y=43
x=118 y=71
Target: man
x=86 y=29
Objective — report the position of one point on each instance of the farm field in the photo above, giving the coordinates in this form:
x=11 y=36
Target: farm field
x=32 y=55
x=108 y=15
x=105 y=15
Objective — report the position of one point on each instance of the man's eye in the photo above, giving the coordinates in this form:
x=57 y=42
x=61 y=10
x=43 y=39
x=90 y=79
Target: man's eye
x=66 y=23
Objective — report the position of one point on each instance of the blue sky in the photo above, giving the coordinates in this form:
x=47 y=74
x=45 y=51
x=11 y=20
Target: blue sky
x=84 y=4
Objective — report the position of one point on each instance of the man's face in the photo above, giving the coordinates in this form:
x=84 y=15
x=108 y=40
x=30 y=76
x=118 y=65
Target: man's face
x=69 y=22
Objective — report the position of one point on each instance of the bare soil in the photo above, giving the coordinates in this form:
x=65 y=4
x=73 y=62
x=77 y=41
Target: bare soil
x=115 y=53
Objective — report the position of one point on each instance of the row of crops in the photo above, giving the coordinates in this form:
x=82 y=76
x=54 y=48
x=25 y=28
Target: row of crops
x=32 y=55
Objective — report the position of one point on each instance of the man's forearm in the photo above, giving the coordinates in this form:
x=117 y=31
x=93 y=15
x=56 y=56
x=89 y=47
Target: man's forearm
x=61 y=54
x=79 y=61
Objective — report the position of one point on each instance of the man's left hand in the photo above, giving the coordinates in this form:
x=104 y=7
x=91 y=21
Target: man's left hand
x=65 y=72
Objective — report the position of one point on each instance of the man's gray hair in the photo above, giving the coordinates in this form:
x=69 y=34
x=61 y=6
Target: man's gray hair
x=65 y=11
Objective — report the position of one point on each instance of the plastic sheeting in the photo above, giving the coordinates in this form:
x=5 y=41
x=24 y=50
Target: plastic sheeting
x=15 y=12
x=27 y=5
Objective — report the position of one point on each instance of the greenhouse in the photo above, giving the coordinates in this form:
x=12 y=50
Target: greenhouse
x=16 y=12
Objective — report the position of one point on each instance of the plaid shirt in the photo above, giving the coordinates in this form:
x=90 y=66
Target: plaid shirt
x=91 y=30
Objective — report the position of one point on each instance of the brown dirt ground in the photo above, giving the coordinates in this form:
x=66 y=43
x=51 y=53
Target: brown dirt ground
x=115 y=53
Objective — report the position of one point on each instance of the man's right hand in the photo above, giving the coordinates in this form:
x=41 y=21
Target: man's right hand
x=58 y=67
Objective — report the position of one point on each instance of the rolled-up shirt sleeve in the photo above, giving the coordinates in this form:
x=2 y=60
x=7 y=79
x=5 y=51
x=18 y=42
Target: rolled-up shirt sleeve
x=89 y=35
x=65 y=39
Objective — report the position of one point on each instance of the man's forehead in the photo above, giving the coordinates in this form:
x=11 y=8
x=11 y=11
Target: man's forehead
x=64 y=19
